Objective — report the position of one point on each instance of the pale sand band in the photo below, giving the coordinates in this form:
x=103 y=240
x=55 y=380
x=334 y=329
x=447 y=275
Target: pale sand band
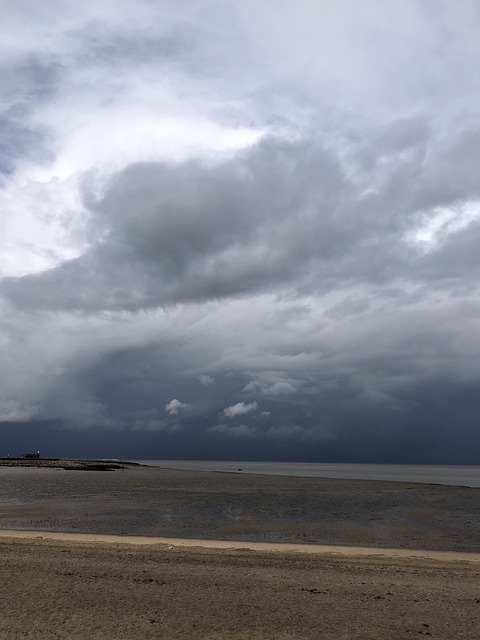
x=446 y=556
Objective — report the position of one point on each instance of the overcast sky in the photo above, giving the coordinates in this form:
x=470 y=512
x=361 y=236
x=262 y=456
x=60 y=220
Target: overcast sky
x=241 y=229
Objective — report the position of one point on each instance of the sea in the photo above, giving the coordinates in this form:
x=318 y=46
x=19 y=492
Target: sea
x=467 y=476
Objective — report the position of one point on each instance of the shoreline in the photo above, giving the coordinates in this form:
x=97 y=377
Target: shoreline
x=176 y=554
x=187 y=505
x=430 y=474
x=452 y=475
x=241 y=545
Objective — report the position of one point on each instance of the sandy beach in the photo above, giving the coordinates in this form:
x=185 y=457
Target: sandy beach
x=70 y=589
x=102 y=555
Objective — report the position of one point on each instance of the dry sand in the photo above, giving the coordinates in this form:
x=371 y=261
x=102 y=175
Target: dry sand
x=86 y=585
x=65 y=589
x=240 y=545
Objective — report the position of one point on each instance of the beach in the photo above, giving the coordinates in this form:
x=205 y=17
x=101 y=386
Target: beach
x=158 y=553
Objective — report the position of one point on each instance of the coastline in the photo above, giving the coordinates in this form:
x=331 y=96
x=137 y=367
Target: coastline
x=67 y=464
x=167 y=503
x=87 y=554
x=450 y=475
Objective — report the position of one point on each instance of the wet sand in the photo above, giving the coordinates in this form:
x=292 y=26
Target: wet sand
x=396 y=566
x=225 y=506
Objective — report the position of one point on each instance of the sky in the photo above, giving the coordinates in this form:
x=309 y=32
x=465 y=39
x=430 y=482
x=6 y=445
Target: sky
x=240 y=230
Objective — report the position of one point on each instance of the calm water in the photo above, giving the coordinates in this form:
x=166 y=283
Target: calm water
x=451 y=475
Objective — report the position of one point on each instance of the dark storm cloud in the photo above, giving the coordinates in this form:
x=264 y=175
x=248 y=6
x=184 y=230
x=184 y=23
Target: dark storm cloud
x=368 y=328
x=281 y=215
x=165 y=234
x=395 y=384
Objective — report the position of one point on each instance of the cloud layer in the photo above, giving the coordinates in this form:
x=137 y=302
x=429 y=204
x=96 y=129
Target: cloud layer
x=241 y=231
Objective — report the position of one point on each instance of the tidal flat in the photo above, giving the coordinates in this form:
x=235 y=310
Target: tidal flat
x=148 y=501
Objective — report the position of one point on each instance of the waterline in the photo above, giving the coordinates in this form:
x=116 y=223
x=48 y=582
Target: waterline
x=428 y=474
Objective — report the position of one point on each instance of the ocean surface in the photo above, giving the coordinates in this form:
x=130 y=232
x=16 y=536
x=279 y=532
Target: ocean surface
x=468 y=476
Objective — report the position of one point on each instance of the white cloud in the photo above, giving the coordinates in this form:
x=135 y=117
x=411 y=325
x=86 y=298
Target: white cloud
x=206 y=380
x=174 y=406
x=42 y=225
x=239 y=409
x=440 y=224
